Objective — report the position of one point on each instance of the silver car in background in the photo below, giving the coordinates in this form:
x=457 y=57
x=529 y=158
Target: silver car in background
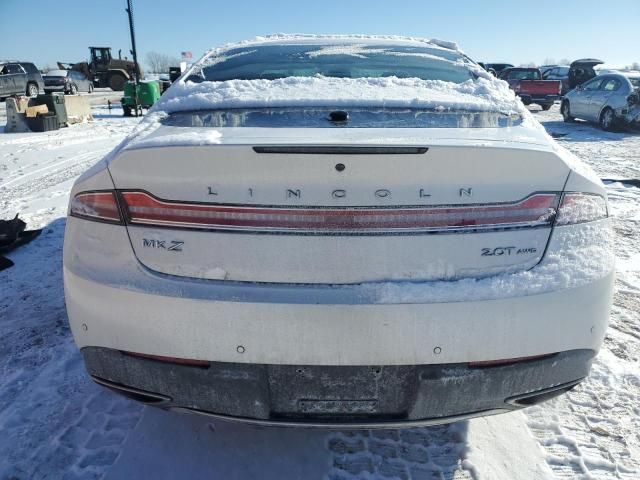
x=611 y=99
x=67 y=81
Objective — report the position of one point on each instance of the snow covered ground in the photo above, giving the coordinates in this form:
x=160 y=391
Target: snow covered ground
x=56 y=424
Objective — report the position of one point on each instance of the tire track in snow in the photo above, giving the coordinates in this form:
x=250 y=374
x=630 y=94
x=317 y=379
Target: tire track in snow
x=51 y=176
x=428 y=453
x=53 y=166
x=54 y=420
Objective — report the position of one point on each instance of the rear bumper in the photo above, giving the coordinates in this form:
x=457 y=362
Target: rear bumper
x=538 y=98
x=338 y=396
x=340 y=335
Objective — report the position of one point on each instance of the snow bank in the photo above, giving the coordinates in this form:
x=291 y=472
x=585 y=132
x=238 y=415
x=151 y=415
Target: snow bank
x=481 y=94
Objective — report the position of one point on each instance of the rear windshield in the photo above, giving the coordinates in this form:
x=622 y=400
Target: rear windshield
x=338 y=60
x=356 y=118
x=56 y=73
x=30 y=68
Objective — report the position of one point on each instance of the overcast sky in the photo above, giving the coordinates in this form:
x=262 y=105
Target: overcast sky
x=488 y=30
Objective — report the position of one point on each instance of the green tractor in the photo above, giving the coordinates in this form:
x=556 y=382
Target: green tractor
x=106 y=71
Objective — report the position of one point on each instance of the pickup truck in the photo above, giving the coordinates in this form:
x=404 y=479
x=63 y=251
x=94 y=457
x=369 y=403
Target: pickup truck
x=529 y=86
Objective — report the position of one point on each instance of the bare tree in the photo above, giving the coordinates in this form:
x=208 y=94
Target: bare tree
x=564 y=61
x=527 y=65
x=160 y=62
x=549 y=61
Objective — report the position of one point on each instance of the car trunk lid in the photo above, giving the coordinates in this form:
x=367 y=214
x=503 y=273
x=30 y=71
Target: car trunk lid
x=402 y=205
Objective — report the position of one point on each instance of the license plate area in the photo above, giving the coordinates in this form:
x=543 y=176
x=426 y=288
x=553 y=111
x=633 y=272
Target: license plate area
x=338 y=407
x=326 y=392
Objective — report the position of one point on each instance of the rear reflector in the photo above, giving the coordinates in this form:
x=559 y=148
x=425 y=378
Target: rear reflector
x=508 y=361
x=178 y=361
x=536 y=210
x=101 y=206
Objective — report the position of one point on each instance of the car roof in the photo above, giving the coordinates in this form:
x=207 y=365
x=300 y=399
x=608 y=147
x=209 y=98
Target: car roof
x=619 y=73
x=312 y=39
x=587 y=61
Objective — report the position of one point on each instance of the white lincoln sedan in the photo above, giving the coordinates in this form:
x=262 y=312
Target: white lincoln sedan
x=339 y=231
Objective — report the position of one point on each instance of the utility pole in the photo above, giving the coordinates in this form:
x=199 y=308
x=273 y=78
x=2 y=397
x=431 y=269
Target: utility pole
x=134 y=52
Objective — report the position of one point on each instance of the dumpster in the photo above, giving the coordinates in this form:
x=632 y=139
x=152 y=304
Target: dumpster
x=55 y=102
x=43 y=122
x=148 y=94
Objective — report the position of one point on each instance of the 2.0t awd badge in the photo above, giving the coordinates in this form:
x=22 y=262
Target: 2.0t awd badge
x=498 y=251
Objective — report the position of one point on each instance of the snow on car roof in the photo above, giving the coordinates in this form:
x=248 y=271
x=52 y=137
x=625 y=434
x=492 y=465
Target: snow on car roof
x=285 y=38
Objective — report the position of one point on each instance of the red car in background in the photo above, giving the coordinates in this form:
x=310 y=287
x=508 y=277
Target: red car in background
x=531 y=88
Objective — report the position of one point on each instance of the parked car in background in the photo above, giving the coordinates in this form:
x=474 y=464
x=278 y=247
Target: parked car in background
x=19 y=78
x=610 y=99
x=67 y=81
x=530 y=87
x=254 y=253
x=546 y=68
x=581 y=71
x=496 y=67
x=559 y=72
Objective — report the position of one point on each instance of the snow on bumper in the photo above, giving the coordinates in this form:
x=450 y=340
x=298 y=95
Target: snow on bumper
x=563 y=304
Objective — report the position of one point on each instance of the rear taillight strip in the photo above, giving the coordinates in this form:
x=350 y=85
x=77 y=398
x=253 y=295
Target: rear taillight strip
x=101 y=206
x=144 y=209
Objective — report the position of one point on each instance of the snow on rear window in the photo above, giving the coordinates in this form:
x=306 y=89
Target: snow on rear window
x=338 y=60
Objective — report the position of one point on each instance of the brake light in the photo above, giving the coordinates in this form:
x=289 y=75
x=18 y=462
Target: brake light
x=101 y=206
x=577 y=207
x=143 y=209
